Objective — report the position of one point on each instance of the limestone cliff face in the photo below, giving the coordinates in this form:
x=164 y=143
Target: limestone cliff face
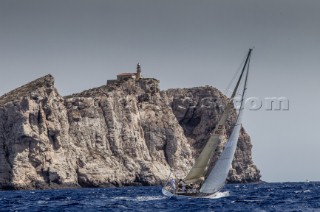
x=34 y=138
x=122 y=134
x=125 y=134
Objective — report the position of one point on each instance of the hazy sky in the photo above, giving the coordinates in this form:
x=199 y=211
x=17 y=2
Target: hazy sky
x=183 y=43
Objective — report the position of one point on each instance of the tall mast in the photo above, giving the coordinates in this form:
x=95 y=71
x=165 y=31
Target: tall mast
x=200 y=167
x=218 y=175
x=243 y=69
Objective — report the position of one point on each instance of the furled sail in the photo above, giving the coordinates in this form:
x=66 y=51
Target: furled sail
x=219 y=173
x=199 y=169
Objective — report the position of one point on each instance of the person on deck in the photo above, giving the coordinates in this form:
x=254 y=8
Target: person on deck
x=182 y=185
x=172 y=184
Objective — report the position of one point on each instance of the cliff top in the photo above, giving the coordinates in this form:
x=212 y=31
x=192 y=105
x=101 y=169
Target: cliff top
x=102 y=90
x=105 y=89
x=200 y=92
x=45 y=81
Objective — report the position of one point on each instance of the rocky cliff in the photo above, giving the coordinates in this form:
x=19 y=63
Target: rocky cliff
x=126 y=133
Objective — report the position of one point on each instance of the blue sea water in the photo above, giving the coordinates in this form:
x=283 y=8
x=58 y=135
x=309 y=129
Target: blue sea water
x=234 y=197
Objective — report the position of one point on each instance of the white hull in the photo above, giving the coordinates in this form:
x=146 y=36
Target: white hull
x=169 y=194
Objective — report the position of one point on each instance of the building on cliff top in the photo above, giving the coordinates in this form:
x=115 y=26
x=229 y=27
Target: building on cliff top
x=125 y=76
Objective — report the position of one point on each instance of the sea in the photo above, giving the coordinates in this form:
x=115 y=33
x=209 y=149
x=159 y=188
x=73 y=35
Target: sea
x=304 y=196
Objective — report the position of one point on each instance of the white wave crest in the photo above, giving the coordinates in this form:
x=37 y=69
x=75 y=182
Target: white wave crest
x=149 y=198
x=140 y=198
x=218 y=195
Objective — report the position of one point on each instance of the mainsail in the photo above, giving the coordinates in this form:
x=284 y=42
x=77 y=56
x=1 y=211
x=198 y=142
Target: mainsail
x=219 y=173
x=199 y=169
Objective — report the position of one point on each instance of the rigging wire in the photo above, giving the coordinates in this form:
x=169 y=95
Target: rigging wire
x=235 y=76
x=245 y=85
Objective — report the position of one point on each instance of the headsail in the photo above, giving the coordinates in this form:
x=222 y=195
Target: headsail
x=199 y=169
x=219 y=173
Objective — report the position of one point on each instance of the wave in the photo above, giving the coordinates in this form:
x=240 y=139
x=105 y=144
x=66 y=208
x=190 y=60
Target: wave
x=140 y=198
x=219 y=195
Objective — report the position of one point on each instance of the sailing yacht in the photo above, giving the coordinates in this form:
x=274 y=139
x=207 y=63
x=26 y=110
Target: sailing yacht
x=200 y=181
